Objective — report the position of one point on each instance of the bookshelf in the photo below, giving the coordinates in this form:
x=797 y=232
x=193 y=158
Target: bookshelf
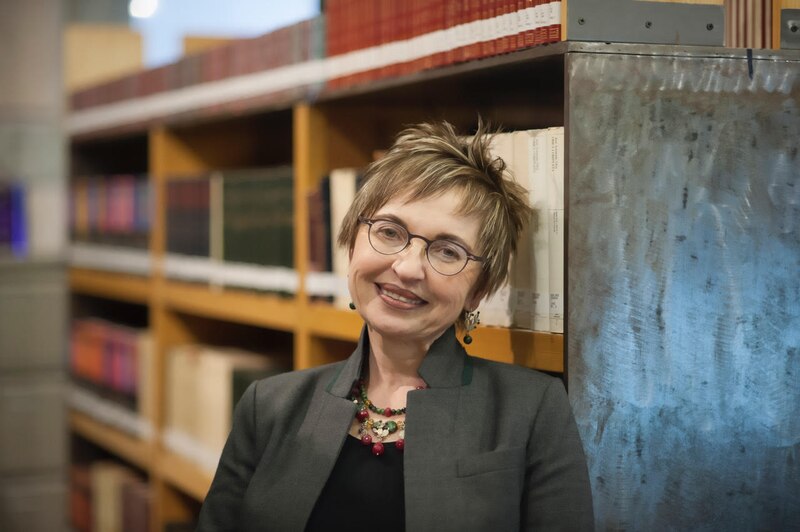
x=117 y=286
x=343 y=128
x=316 y=130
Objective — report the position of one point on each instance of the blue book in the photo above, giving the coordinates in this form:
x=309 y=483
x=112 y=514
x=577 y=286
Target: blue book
x=19 y=225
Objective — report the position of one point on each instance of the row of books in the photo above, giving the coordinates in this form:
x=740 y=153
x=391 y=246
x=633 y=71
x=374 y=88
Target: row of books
x=113 y=361
x=234 y=217
x=106 y=495
x=748 y=23
x=421 y=34
x=210 y=380
x=300 y=42
x=115 y=210
x=400 y=37
x=13 y=220
x=327 y=262
x=533 y=297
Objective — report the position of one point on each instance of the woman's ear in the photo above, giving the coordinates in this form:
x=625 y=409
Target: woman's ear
x=474 y=300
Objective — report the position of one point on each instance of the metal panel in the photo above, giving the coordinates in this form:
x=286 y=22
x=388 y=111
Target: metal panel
x=33 y=426
x=684 y=287
x=790 y=29
x=36 y=503
x=33 y=316
x=633 y=21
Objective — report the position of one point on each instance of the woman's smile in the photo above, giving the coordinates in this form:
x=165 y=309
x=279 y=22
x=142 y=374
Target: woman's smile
x=396 y=297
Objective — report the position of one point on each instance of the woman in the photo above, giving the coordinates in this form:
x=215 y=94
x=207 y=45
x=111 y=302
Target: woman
x=410 y=433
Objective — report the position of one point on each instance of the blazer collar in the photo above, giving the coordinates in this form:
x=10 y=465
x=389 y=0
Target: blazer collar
x=445 y=366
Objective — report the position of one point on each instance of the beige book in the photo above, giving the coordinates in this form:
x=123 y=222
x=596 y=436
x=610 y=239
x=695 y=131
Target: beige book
x=497 y=309
x=183 y=366
x=556 y=228
x=215 y=391
x=145 y=367
x=343 y=191
x=540 y=236
x=522 y=261
x=107 y=479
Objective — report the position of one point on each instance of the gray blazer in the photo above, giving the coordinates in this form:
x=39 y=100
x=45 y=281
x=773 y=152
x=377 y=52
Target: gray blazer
x=489 y=446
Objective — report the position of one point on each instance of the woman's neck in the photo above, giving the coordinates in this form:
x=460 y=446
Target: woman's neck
x=393 y=368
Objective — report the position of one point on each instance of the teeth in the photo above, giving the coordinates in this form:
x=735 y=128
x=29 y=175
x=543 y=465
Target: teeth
x=400 y=298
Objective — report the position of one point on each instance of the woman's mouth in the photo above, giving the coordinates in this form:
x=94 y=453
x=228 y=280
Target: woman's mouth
x=393 y=294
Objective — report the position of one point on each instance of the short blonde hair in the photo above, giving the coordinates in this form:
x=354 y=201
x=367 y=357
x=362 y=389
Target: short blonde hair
x=431 y=158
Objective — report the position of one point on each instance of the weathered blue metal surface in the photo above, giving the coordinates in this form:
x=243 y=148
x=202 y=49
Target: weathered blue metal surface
x=684 y=288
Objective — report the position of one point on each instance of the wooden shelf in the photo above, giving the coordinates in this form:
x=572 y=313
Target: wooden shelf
x=335 y=323
x=543 y=351
x=183 y=474
x=120 y=286
x=125 y=446
x=240 y=306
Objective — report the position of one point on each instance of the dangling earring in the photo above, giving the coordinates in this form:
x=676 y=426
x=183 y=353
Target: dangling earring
x=352 y=306
x=471 y=321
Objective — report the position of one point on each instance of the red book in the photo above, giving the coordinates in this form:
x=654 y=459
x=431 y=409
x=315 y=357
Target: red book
x=80 y=497
x=554 y=30
x=541 y=24
x=488 y=12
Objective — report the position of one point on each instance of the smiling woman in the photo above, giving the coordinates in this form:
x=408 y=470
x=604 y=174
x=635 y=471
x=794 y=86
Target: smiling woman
x=411 y=432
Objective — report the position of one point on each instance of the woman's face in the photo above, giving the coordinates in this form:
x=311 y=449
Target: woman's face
x=401 y=296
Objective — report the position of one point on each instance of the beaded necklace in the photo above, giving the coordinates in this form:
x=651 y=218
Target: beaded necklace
x=374 y=431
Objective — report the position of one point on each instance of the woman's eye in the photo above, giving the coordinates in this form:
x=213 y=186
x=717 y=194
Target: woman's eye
x=389 y=233
x=447 y=252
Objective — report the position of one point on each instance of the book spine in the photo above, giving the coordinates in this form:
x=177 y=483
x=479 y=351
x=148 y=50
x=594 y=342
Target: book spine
x=556 y=229
x=342 y=192
x=538 y=196
x=522 y=262
x=19 y=221
x=5 y=219
x=258 y=225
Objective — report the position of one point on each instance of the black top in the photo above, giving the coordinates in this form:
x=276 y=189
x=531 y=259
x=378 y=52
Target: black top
x=363 y=492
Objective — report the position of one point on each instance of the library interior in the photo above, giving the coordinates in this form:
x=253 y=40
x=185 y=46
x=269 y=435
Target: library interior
x=175 y=174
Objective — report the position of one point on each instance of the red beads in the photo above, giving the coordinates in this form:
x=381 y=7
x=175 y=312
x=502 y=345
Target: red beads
x=400 y=444
x=387 y=412
x=366 y=439
x=377 y=449
x=362 y=415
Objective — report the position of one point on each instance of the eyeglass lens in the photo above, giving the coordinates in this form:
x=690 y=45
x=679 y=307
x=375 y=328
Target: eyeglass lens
x=388 y=238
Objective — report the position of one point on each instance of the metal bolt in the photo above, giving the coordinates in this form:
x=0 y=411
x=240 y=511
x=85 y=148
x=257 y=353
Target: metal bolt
x=793 y=29
x=648 y=24
x=581 y=21
x=709 y=26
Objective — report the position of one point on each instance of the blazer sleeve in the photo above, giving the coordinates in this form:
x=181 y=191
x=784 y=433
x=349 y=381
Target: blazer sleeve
x=557 y=491
x=222 y=506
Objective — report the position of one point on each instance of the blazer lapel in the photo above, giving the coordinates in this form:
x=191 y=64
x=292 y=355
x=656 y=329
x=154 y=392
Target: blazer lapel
x=320 y=438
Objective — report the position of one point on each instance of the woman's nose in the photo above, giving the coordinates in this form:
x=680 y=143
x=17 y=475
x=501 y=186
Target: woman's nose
x=410 y=263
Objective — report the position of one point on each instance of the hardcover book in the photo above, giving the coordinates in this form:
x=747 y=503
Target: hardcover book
x=258 y=216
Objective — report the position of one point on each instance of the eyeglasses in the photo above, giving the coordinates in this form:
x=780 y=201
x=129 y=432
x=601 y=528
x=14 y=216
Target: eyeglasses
x=445 y=256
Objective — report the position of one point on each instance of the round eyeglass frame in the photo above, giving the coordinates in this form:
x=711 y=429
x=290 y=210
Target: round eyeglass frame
x=370 y=221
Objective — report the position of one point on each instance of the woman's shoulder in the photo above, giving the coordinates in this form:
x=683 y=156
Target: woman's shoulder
x=512 y=378
x=505 y=370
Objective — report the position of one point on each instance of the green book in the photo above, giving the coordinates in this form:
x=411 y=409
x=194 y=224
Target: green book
x=258 y=216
